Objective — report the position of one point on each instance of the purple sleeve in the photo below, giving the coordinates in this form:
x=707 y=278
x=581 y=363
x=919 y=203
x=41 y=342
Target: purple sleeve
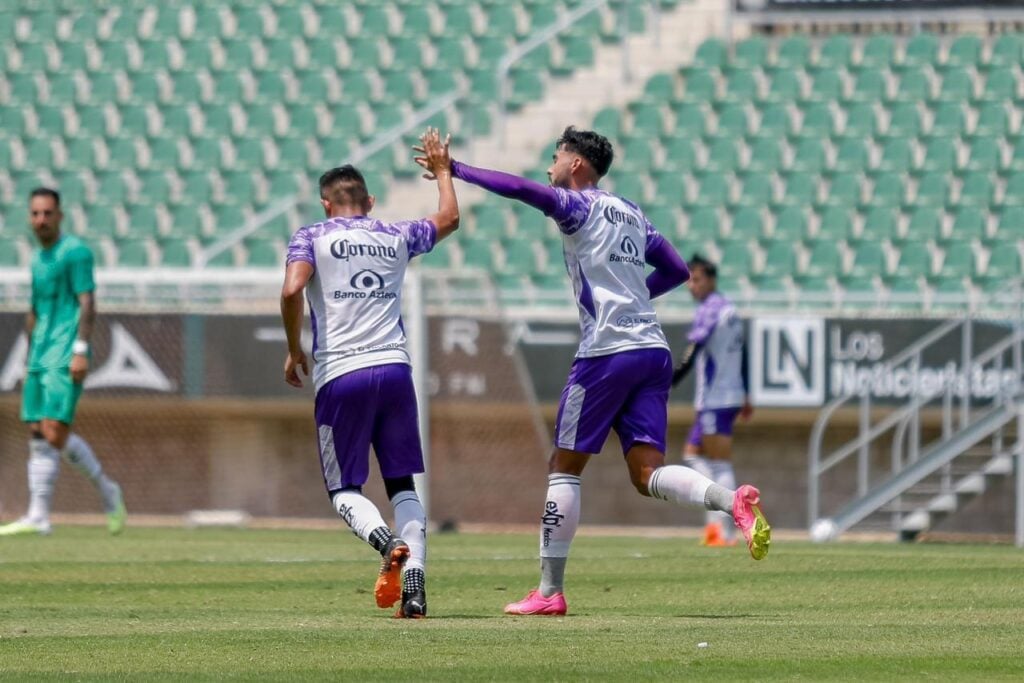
x=420 y=236
x=301 y=248
x=670 y=270
x=568 y=208
x=703 y=323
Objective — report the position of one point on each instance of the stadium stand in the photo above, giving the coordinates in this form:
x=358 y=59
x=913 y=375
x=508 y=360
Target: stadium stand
x=167 y=125
x=844 y=164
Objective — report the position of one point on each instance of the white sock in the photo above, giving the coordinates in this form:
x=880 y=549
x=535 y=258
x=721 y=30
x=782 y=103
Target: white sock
x=678 y=484
x=79 y=453
x=703 y=465
x=723 y=475
x=43 y=468
x=411 y=527
x=361 y=515
x=558 y=526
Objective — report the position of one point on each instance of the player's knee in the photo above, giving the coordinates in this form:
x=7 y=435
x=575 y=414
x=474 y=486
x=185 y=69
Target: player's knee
x=399 y=484
x=640 y=478
x=55 y=435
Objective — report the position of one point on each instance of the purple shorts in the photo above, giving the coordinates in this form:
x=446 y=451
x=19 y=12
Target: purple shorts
x=369 y=407
x=717 y=421
x=625 y=391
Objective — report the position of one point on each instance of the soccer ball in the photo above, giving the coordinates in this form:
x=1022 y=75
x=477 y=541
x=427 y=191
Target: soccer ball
x=824 y=530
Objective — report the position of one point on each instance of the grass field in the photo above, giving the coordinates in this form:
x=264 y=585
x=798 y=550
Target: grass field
x=297 y=605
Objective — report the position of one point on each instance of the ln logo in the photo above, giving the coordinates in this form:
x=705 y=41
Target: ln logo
x=788 y=361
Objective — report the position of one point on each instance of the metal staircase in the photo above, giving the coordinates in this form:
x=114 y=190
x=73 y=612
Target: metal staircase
x=920 y=485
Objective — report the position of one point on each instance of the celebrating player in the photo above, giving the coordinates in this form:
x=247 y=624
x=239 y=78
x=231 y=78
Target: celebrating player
x=59 y=324
x=718 y=350
x=623 y=368
x=351 y=268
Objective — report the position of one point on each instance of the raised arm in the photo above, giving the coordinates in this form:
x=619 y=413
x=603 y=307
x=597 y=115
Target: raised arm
x=525 y=190
x=438 y=163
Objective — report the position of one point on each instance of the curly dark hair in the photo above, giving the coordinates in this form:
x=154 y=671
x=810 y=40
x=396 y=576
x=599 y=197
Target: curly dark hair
x=698 y=261
x=592 y=146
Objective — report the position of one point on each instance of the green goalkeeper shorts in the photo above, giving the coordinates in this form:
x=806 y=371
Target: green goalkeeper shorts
x=50 y=395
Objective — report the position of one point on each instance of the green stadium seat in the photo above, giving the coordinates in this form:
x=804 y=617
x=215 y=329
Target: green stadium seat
x=9 y=252
x=845 y=190
x=801 y=189
x=670 y=184
x=940 y=156
x=647 y=119
x=100 y=219
x=713 y=190
x=1003 y=264
x=915 y=260
x=860 y=122
x=262 y=252
x=922 y=50
x=747 y=224
x=71 y=187
x=765 y=156
x=691 y=119
x=958 y=263
x=732 y=121
x=985 y=156
x=977 y=190
x=1006 y=52
x=664 y=219
x=740 y=86
x=808 y=156
x=904 y=121
x=123 y=152
x=679 y=156
x=1010 y=228
x=703 y=224
x=23 y=88
x=1000 y=86
x=834 y=224
x=887 y=190
x=790 y=225
x=608 y=122
x=932 y=190
x=835 y=53
x=877 y=52
x=826 y=86
x=925 y=224
x=913 y=86
x=578 y=52
x=897 y=156
x=81 y=153
x=132 y=253
x=478 y=253
x=793 y=54
x=723 y=155
x=699 y=86
x=957 y=86
x=879 y=225
x=519 y=257
x=852 y=156
x=736 y=259
x=868 y=259
x=968 y=225
x=711 y=54
x=780 y=260
x=197 y=54
x=965 y=52
x=776 y=123
x=993 y=120
x=50 y=119
x=825 y=260
x=142 y=220
x=757 y=190
x=869 y=86
x=785 y=86
x=949 y=120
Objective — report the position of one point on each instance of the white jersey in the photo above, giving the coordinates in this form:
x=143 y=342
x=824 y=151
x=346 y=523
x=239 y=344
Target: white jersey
x=604 y=241
x=355 y=294
x=719 y=331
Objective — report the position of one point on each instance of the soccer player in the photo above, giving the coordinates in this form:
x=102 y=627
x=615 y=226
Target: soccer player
x=718 y=349
x=351 y=268
x=59 y=324
x=623 y=368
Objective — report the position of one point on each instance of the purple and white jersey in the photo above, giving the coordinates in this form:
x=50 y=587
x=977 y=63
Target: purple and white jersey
x=355 y=294
x=720 y=361
x=604 y=240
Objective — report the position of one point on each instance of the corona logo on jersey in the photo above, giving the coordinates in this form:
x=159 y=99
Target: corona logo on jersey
x=614 y=215
x=343 y=250
x=630 y=253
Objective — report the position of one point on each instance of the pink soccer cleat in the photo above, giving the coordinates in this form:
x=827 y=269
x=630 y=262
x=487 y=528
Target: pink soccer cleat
x=751 y=521
x=535 y=603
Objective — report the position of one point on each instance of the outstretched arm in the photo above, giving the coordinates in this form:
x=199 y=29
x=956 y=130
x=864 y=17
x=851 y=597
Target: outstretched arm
x=525 y=190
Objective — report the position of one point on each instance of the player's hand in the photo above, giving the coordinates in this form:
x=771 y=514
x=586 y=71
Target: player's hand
x=436 y=157
x=747 y=411
x=79 y=368
x=292 y=363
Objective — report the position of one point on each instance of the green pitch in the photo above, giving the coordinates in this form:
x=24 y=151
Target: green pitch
x=296 y=605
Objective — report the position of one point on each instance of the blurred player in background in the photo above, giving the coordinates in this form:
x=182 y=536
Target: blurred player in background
x=59 y=324
x=351 y=268
x=623 y=369
x=718 y=350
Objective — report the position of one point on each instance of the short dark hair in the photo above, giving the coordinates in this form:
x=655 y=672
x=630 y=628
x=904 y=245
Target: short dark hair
x=45 y=192
x=698 y=261
x=592 y=146
x=344 y=185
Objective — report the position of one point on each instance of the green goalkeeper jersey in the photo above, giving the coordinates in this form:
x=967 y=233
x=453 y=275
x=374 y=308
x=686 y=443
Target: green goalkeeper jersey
x=59 y=274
